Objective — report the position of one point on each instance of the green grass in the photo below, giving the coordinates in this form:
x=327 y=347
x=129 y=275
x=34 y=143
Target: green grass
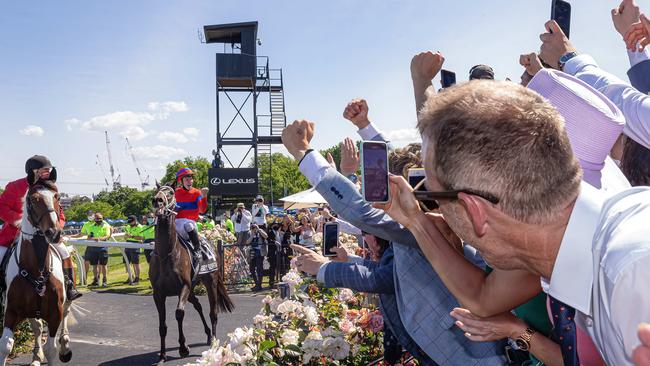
x=117 y=275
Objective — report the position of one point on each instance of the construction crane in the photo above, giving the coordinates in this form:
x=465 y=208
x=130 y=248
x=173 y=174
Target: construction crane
x=143 y=182
x=116 y=181
x=101 y=167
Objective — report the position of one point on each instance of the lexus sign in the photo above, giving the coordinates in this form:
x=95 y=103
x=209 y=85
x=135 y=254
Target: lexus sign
x=233 y=181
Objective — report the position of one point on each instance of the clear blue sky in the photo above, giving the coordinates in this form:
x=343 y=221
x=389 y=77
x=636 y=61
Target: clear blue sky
x=71 y=69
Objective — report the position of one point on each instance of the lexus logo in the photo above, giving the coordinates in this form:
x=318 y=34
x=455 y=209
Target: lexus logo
x=218 y=181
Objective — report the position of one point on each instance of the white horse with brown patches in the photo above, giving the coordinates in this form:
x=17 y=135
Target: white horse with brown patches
x=34 y=278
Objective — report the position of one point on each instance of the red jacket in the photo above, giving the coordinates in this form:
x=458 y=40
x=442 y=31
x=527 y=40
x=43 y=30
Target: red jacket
x=190 y=203
x=11 y=210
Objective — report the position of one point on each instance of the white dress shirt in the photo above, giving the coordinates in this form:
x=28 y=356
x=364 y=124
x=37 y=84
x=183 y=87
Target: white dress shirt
x=259 y=220
x=245 y=224
x=634 y=104
x=637 y=57
x=603 y=268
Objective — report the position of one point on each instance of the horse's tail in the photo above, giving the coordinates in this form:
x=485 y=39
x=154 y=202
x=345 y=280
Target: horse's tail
x=223 y=299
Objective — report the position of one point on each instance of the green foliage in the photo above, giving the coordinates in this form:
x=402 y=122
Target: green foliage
x=199 y=166
x=23 y=338
x=285 y=175
x=129 y=201
x=79 y=212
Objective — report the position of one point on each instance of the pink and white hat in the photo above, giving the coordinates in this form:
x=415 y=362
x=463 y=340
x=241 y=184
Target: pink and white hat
x=593 y=122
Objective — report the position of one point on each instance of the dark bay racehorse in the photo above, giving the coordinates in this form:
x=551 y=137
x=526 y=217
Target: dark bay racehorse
x=170 y=274
x=34 y=277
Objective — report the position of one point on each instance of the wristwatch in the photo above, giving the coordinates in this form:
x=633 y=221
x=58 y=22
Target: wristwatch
x=523 y=341
x=353 y=178
x=565 y=58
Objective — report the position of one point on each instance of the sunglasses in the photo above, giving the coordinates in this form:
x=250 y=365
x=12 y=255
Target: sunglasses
x=429 y=199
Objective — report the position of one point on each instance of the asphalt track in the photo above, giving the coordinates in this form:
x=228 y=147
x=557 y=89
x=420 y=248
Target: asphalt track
x=116 y=329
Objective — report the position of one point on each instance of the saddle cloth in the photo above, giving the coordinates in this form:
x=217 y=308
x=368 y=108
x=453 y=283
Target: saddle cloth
x=208 y=263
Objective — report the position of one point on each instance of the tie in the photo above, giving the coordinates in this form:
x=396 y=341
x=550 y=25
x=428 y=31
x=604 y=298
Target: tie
x=565 y=330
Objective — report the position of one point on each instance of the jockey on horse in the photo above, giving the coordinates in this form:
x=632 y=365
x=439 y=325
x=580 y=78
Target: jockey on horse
x=11 y=212
x=190 y=202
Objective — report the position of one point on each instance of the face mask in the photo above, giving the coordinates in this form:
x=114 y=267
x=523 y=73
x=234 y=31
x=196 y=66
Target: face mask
x=90 y=218
x=150 y=220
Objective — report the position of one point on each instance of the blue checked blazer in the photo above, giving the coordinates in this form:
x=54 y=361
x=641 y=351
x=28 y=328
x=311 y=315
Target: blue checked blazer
x=639 y=75
x=423 y=301
x=374 y=277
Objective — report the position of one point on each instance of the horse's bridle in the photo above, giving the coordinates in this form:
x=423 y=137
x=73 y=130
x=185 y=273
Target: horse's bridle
x=166 y=207
x=30 y=215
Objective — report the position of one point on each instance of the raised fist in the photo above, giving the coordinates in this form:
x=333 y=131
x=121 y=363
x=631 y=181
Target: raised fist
x=297 y=136
x=357 y=112
x=426 y=65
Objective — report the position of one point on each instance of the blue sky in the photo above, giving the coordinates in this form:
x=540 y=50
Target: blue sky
x=71 y=69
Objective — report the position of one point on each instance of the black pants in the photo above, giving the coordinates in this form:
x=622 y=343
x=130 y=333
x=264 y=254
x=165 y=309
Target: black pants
x=256 y=268
x=272 y=257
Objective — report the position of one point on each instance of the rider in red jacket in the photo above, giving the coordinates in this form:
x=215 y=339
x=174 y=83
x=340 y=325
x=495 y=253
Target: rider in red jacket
x=12 y=201
x=190 y=202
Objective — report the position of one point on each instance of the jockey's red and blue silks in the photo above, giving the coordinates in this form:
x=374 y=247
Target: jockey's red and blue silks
x=189 y=204
x=183 y=172
x=11 y=210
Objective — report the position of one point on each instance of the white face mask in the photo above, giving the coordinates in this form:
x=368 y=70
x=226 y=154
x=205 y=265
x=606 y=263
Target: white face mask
x=150 y=220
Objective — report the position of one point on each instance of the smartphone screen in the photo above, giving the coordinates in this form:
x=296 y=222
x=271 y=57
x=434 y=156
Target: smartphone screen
x=330 y=238
x=374 y=166
x=561 y=13
x=447 y=78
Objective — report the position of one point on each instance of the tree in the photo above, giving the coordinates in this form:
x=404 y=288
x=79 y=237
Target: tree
x=286 y=177
x=128 y=201
x=79 y=211
x=199 y=166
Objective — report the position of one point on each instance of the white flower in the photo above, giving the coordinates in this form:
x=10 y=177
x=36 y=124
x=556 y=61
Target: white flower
x=240 y=337
x=261 y=319
x=311 y=346
x=293 y=278
x=336 y=348
x=289 y=337
x=346 y=326
x=274 y=304
x=311 y=315
x=267 y=300
x=345 y=295
x=290 y=306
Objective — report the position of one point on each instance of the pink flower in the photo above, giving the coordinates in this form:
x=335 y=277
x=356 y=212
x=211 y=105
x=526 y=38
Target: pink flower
x=346 y=326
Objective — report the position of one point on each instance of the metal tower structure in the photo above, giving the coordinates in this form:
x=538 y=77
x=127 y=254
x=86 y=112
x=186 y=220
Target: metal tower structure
x=254 y=92
x=116 y=180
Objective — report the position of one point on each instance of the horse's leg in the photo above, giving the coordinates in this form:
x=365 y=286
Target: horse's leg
x=162 y=326
x=37 y=352
x=197 y=305
x=52 y=345
x=183 y=350
x=7 y=340
x=212 y=300
x=65 y=353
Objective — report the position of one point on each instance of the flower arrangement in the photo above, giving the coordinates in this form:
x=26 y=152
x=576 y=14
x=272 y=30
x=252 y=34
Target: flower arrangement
x=314 y=326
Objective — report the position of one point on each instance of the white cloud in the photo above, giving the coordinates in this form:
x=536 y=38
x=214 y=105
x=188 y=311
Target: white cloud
x=172 y=136
x=164 y=109
x=71 y=122
x=191 y=131
x=157 y=152
x=32 y=130
x=134 y=133
x=129 y=123
x=406 y=135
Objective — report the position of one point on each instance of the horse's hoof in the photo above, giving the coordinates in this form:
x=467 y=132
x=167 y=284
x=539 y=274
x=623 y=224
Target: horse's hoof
x=161 y=360
x=184 y=351
x=66 y=357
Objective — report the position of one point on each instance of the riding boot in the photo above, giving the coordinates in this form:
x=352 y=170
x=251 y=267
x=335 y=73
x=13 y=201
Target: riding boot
x=71 y=290
x=196 y=245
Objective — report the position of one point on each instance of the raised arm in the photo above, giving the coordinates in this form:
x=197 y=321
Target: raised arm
x=424 y=67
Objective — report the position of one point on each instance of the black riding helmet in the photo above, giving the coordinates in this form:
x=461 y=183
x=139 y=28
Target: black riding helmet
x=38 y=162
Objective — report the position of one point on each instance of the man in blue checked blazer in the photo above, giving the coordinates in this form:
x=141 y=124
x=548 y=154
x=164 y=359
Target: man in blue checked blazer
x=423 y=302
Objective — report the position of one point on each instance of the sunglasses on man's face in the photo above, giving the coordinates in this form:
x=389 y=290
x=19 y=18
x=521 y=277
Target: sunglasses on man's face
x=429 y=199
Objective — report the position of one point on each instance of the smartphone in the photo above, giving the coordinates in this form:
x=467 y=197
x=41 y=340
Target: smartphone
x=447 y=78
x=374 y=170
x=415 y=176
x=561 y=13
x=330 y=238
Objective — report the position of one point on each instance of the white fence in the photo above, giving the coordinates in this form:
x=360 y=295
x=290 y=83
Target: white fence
x=101 y=244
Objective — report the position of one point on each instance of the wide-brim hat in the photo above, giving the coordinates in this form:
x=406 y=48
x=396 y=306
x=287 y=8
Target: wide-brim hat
x=592 y=121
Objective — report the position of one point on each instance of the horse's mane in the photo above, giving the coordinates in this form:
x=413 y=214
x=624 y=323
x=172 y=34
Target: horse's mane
x=47 y=184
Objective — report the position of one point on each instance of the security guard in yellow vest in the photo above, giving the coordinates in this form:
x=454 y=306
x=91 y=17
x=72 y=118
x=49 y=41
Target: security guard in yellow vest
x=100 y=230
x=133 y=232
x=148 y=233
